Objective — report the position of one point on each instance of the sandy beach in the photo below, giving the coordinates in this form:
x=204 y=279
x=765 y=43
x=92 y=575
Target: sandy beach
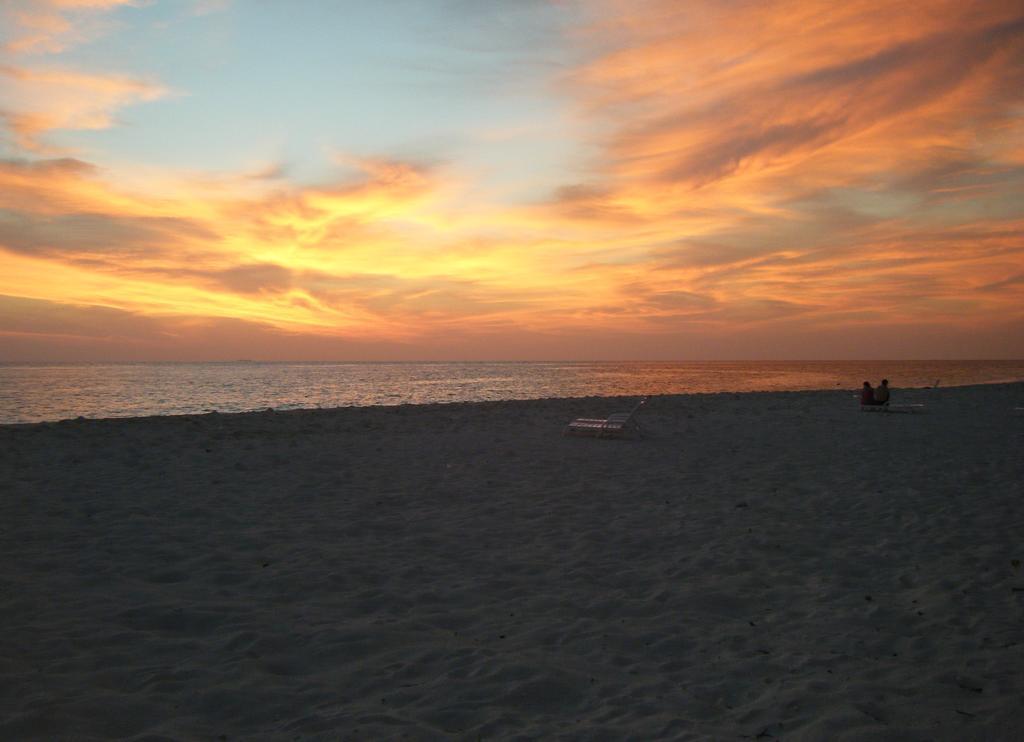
x=757 y=566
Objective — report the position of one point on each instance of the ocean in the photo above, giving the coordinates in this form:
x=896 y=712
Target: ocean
x=56 y=391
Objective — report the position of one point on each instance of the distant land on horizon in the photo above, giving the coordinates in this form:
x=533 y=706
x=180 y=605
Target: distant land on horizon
x=249 y=361
x=241 y=361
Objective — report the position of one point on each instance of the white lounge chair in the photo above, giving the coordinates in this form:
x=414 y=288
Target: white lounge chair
x=905 y=408
x=615 y=425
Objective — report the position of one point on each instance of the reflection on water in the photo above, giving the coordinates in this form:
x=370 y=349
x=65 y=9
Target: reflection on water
x=34 y=392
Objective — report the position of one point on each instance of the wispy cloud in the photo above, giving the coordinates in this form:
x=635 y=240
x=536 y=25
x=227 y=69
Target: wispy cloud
x=805 y=161
x=206 y=7
x=39 y=97
x=53 y=26
x=356 y=257
x=38 y=101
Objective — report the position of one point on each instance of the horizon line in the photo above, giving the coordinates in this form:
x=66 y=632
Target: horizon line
x=512 y=361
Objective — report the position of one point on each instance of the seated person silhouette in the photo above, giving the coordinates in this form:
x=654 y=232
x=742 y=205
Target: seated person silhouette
x=882 y=392
x=867 y=394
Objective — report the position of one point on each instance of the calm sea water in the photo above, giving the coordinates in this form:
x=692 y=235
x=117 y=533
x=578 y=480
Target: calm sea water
x=37 y=392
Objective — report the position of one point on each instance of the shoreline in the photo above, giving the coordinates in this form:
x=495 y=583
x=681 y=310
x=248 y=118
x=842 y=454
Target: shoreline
x=915 y=395
x=770 y=564
x=98 y=392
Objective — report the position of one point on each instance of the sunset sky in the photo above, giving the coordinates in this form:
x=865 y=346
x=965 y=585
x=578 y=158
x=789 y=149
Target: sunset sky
x=511 y=179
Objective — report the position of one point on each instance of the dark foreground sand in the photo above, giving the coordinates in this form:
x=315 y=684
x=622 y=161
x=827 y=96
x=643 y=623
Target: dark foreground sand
x=760 y=566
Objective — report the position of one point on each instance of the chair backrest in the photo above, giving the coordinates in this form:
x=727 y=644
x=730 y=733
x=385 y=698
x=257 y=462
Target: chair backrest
x=636 y=409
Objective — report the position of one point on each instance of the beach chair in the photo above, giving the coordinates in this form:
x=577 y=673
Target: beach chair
x=904 y=408
x=616 y=425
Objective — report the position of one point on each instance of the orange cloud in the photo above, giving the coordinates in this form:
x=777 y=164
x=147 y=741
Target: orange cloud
x=800 y=164
x=51 y=26
x=38 y=101
x=751 y=89
x=354 y=258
